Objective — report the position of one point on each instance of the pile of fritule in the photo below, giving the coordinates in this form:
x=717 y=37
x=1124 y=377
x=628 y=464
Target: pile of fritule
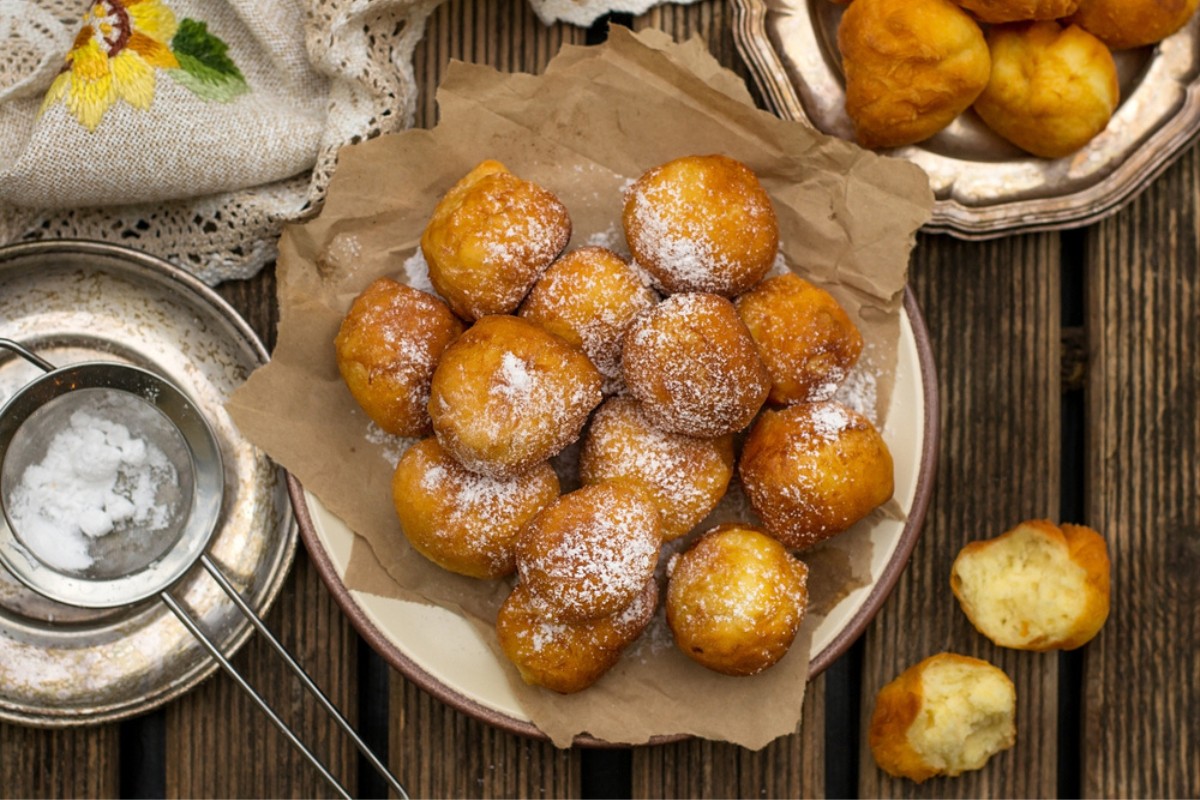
x=657 y=364
x=1042 y=76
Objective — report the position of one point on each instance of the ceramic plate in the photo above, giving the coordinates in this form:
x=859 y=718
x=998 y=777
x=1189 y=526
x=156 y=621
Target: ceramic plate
x=984 y=186
x=442 y=653
x=78 y=301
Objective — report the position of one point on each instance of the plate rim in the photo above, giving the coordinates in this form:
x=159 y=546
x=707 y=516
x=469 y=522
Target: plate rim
x=1125 y=183
x=856 y=626
x=207 y=666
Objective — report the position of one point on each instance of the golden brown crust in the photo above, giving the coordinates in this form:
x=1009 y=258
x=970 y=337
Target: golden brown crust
x=589 y=553
x=461 y=521
x=1122 y=24
x=508 y=395
x=909 y=702
x=911 y=67
x=807 y=341
x=686 y=477
x=489 y=239
x=997 y=11
x=896 y=707
x=588 y=298
x=812 y=470
x=735 y=600
x=1044 y=606
x=695 y=369
x=568 y=657
x=1052 y=89
x=386 y=349
x=701 y=224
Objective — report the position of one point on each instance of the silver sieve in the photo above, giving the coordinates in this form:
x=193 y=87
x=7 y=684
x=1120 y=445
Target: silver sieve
x=134 y=562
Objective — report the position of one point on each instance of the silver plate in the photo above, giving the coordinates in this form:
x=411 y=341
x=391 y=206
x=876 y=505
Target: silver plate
x=984 y=186
x=79 y=301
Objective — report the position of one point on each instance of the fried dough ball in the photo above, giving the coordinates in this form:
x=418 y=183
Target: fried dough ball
x=490 y=238
x=508 y=395
x=911 y=67
x=462 y=521
x=943 y=716
x=806 y=340
x=735 y=600
x=1052 y=89
x=692 y=364
x=1039 y=586
x=589 y=297
x=567 y=657
x=685 y=476
x=812 y=470
x=701 y=224
x=387 y=347
x=997 y=11
x=590 y=552
x=1122 y=24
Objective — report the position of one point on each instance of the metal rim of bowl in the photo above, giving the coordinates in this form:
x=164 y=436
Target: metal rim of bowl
x=1086 y=207
x=850 y=633
x=187 y=283
x=208 y=473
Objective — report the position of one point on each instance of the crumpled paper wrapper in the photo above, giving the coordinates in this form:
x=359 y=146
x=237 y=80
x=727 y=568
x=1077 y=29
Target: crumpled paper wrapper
x=598 y=118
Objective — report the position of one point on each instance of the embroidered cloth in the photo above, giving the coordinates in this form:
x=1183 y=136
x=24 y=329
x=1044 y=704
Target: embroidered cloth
x=193 y=129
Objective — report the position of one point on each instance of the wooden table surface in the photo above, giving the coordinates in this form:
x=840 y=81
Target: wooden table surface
x=1069 y=369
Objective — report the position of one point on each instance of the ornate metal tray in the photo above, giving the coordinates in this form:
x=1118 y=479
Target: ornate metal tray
x=984 y=186
x=86 y=301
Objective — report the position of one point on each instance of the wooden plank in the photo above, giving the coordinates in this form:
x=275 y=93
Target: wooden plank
x=1141 y=722
x=993 y=314
x=791 y=766
x=219 y=744
x=441 y=752
x=504 y=34
x=73 y=762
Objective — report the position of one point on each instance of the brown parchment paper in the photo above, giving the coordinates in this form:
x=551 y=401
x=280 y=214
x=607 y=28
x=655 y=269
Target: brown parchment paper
x=598 y=118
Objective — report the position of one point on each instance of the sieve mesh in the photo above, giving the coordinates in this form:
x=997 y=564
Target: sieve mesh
x=97 y=483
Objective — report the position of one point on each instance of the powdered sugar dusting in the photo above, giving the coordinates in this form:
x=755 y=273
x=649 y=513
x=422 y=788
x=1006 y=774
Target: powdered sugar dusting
x=589 y=297
x=416 y=272
x=95 y=479
x=860 y=391
x=393 y=447
x=690 y=256
x=517 y=383
x=591 y=553
x=694 y=367
x=687 y=477
x=828 y=419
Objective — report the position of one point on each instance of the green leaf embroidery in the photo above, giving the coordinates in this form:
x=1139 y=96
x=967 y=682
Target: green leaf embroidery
x=204 y=66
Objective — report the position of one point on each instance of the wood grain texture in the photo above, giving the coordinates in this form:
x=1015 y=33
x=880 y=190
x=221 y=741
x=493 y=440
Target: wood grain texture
x=441 y=752
x=992 y=311
x=791 y=766
x=711 y=21
x=220 y=744
x=503 y=34
x=1141 y=721
x=75 y=762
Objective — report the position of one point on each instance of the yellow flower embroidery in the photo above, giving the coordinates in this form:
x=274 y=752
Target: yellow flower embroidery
x=114 y=57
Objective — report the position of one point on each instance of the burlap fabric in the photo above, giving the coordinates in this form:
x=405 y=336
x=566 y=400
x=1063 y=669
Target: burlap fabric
x=193 y=129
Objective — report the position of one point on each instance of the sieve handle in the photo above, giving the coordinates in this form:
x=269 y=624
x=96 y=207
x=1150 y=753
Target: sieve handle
x=215 y=652
x=37 y=361
x=299 y=672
